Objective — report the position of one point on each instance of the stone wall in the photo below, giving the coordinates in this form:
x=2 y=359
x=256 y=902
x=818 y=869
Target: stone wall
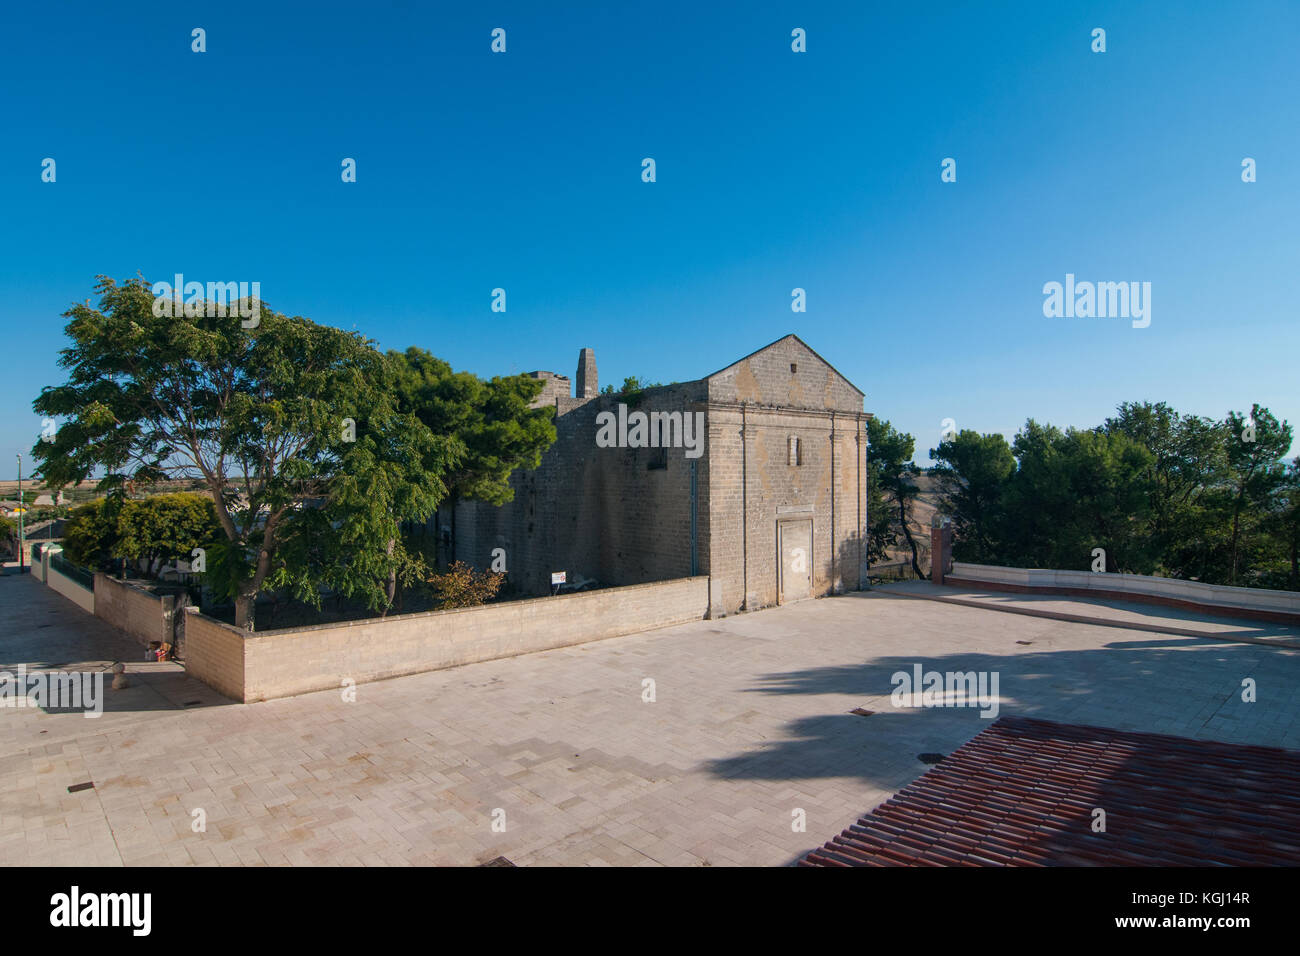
x=214 y=653
x=271 y=664
x=137 y=613
x=1255 y=603
x=600 y=513
x=782 y=392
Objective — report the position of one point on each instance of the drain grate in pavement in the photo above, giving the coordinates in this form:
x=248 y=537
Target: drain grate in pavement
x=499 y=861
x=191 y=703
x=929 y=758
x=77 y=787
x=1024 y=642
x=861 y=712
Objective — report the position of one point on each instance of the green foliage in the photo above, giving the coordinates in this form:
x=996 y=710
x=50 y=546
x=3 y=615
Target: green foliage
x=258 y=414
x=488 y=423
x=632 y=390
x=881 y=533
x=1075 y=491
x=159 y=529
x=1161 y=493
x=1281 y=567
x=1189 y=461
x=972 y=474
x=464 y=586
x=489 y=427
x=1256 y=476
x=90 y=536
x=166 y=528
x=891 y=492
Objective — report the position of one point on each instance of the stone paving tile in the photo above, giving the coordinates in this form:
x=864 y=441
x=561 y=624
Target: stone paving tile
x=751 y=723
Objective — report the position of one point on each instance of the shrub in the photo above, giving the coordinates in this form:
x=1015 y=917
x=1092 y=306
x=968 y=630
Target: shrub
x=464 y=586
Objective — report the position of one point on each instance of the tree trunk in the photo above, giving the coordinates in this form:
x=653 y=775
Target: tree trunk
x=1236 y=524
x=452 y=559
x=907 y=533
x=245 y=610
x=1294 y=583
x=391 y=590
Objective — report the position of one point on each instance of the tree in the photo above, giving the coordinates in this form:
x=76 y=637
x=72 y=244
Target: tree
x=973 y=473
x=90 y=536
x=881 y=534
x=290 y=425
x=891 y=452
x=632 y=390
x=162 y=529
x=9 y=532
x=158 y=529
x=489 y=424
x=1283 y=524
x=1188 y=463
x=1075 y=491
x=1255 y=448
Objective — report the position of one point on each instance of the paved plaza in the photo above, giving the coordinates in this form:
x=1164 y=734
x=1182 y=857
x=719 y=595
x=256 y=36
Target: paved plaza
x=750 y=723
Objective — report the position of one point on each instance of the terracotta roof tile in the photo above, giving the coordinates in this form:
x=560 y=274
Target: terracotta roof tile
x=1022 y=792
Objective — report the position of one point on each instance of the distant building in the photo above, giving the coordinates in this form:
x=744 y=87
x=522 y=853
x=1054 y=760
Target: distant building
x=770 y=501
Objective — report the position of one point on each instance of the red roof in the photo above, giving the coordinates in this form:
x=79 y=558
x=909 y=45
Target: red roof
x=1022 y=793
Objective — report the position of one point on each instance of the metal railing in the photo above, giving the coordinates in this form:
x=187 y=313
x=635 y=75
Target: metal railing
x=72 y=571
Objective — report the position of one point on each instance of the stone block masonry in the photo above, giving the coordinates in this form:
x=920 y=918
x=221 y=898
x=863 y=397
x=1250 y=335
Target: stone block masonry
x=139 y=614
x=282 y=663
x=785 y=445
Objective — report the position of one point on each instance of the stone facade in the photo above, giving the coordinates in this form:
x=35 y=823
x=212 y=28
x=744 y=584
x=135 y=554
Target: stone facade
x=773 y=510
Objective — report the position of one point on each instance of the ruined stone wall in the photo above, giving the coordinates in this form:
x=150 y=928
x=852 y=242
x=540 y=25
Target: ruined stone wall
x=600 y=513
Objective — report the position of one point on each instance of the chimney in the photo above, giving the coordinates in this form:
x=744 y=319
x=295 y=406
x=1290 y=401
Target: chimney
x=586 y=385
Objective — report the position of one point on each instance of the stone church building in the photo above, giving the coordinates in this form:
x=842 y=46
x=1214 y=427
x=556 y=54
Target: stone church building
x=770 y=503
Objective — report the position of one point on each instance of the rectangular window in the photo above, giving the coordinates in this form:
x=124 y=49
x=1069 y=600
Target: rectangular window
x=794 y=451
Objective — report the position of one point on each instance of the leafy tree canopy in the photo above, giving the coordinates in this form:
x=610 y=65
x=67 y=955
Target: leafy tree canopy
x=291 y=426
x=488 y=424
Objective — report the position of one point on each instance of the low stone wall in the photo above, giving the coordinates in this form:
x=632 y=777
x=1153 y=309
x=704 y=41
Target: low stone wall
x=140 y=614
x=1255 y=603
x=214 y=653
x=281 y=663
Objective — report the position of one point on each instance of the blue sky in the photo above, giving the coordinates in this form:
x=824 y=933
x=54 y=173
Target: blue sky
x=775 y=170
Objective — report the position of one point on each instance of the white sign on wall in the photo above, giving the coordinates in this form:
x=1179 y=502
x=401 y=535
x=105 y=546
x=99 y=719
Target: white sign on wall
x=559 y=577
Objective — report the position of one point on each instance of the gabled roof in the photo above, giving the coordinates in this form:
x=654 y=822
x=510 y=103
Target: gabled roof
x=778 y=342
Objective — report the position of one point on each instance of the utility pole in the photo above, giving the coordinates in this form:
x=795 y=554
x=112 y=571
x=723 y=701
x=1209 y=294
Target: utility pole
x=22 y=512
